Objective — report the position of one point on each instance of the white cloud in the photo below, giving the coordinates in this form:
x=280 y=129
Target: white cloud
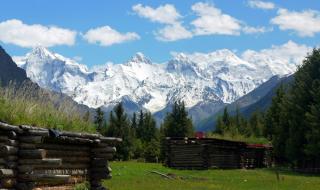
x=165 y=14
x=255 y=30
x=18 y=33
x=261 y=4
x=106 y=36
x=173 y=32
x=289 y=52
x=212 y=21
x=305 y=23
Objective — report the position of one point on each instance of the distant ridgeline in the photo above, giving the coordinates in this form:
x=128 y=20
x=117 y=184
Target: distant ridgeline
x=43 y=159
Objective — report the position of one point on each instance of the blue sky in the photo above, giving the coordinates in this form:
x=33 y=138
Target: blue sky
x=98 y=31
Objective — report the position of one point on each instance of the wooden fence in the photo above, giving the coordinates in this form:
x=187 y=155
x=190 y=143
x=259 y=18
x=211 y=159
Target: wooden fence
x=205 y=153
x=44 y=159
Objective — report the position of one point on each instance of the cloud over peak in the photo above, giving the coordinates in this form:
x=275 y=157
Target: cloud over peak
x=261 y=4
x=305 y=23
x=107 y=36
x=211 y=20
x=18 y=33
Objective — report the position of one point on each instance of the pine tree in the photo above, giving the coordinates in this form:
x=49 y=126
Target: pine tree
x=219 y=129
x=150 y=131
x=177 y=123
x=140 y=126
x=119 y=126
x=226 y=118
x=293 y=119
x=312 y=148
x=134 y=124
x=99 y=120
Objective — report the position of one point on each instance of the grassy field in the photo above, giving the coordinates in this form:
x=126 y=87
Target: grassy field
x=137 y=176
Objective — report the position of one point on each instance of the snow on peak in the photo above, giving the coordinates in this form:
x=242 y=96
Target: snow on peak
x=140 y=58
x=41 y=52
x=219 y=76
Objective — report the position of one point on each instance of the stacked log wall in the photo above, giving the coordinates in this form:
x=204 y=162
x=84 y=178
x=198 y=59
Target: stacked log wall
x=193 y=153
x=41 y=160
x=8 y=157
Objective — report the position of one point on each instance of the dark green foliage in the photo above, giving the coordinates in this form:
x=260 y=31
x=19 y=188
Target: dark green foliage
x=119 y=126
x=99 y=120
x=147 y=138
x=177 y=123
x=152 y=151
x=238 y=125
x=226 y=118
x=293 y=118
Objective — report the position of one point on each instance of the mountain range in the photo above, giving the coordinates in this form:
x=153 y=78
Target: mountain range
x=205 y=82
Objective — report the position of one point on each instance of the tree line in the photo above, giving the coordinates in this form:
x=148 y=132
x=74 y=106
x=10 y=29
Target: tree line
x=141 y=137
x=292 y=122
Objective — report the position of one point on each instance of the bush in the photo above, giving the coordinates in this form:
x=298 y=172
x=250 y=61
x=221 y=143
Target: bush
x=152 y=151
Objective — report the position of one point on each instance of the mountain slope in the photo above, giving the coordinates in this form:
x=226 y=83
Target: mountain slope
x=14 y=77
x=9 y=71
x=206 y=82
x=257 y=100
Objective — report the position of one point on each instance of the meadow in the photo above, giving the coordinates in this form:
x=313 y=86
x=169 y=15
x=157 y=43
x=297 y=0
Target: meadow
x=139 y=176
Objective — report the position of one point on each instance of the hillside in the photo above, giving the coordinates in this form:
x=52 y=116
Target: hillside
x=24 y=102
x=257 y=100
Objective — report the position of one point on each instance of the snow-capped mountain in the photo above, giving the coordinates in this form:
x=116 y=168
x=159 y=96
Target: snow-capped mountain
x=212 y=79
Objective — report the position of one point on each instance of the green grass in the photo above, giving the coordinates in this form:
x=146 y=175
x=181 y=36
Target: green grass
x=23 y=106
x=239 y=137
x=137 y=176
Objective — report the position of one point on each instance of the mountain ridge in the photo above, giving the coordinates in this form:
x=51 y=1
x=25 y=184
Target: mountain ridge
x=201 y=80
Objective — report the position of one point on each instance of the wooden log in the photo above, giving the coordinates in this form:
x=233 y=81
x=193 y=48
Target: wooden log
x=46 y=161
x=54 y=147
x=73 y=172
x=107 y=149
x=33 y=154
x=44 y=177
x=8 y=182
x=7 y=127
x=43 y=133
x=80 y=135
x=10 y=134
x=60 y=187
x=27 y=127
x=8 y=150
x=31 y=139
x=68 y=140
x=8 y=165
x=58 y=153
x=69 y=159
x=6 y=173
x=110 y=140
x=9 y=142
x=30 y=168
x=107 y=156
